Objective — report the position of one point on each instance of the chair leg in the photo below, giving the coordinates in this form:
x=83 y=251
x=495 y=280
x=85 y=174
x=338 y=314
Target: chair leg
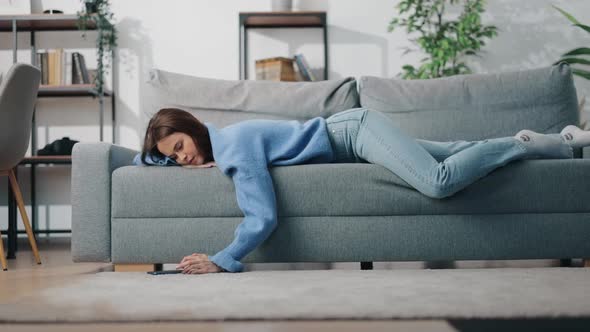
x=21 y=206
x=2 y=256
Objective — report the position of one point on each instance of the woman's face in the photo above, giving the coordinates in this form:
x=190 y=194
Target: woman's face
x=180 y=147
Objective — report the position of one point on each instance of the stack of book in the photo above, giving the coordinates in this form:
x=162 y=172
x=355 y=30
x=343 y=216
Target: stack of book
x=59 y=67
x=283 y=69
x=275 y=69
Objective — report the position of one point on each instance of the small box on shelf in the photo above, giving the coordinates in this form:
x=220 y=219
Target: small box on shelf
x=275 y=69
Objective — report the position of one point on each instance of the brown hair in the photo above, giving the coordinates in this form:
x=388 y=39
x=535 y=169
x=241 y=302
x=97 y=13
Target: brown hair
x=171 y=120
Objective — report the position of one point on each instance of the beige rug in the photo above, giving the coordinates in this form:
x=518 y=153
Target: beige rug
x=312 y=294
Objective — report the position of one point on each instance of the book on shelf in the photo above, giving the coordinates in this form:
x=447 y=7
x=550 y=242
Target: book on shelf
x=57 y=67
x=76 y=69
x=43 y=66
x=51 y=67
x=68 y=68
x=85 y=77
x=304 y=68
x=62 y=68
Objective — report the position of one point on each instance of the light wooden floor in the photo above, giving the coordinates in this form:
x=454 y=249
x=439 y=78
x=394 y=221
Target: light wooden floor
x=25 y=277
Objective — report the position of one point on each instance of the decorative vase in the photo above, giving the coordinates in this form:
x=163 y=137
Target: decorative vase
x=282 y=5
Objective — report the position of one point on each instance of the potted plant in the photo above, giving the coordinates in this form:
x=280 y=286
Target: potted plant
x=90 y=6
x=445 y=41
x=99 y=12
x=579 y=57
x=576 y=56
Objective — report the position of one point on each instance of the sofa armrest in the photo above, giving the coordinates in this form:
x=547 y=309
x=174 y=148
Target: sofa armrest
x=92 y=166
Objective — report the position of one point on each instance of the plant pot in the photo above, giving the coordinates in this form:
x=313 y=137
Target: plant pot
x=91 y=7
x=282 y=5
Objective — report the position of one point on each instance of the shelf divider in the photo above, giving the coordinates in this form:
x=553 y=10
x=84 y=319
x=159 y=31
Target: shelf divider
x=75 y=90
x=34 y=160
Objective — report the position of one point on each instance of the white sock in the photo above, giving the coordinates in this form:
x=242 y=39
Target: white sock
x=576 y=137
x=543 y=146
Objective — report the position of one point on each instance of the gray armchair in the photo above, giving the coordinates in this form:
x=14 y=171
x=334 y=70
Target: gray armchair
x=18 y=94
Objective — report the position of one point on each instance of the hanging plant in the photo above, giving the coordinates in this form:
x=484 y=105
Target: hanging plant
x=445 y=41
x=99 y=13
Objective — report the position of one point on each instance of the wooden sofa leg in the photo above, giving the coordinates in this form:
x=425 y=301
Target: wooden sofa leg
x=565 y=262
x=587 y=262
x=137 y=267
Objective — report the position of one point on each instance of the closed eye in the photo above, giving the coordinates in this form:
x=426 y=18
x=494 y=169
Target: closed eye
x=176 y=148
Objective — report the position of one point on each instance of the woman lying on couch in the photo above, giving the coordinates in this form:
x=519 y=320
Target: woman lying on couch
x=245 y=150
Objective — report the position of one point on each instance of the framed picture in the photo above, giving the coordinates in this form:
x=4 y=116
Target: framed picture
x=15 y=7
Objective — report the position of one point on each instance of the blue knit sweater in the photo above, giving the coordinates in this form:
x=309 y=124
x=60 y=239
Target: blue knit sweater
x=244 y=151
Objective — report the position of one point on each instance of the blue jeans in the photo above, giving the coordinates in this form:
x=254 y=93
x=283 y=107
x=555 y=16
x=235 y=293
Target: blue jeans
x=436 y=169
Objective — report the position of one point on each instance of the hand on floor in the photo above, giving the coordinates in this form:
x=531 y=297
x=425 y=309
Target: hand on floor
x=197 y=264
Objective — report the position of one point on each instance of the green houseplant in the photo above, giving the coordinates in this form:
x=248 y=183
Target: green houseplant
x=445 y=41
x=99 y=13
x=577 y=55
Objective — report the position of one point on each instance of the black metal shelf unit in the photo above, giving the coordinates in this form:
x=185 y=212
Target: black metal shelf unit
x=273 y=20
x=32 y=24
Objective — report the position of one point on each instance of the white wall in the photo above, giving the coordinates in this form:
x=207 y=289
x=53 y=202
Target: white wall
x=200 y=37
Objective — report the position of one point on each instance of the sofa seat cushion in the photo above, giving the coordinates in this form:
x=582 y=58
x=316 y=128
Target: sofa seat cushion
x=355 y=189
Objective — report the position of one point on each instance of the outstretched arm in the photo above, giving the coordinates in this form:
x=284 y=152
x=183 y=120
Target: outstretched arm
x=256 y=198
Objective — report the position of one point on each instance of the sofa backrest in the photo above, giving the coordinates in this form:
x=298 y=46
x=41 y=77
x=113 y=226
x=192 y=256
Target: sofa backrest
x=476 y=106
x=224 y=102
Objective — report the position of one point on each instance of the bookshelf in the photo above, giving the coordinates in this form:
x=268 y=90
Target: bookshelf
x=40 y=22
x=35 y=23
x=77 y=90
x=273 y=20
x=47 y=160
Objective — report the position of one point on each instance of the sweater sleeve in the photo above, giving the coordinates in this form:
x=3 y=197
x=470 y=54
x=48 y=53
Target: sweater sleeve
x=256 y=198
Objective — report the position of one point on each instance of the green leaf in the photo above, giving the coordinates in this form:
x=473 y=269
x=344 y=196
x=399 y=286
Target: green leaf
x=574 y=60
x=578 y=51
x=567 y=15
x=581 y=73
x=582 y=26
x=446 y=41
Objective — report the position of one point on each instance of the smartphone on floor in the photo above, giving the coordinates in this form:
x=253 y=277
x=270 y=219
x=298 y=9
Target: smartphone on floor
x=164 y=272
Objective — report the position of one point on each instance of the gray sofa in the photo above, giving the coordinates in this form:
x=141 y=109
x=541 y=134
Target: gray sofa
x=346 y=212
